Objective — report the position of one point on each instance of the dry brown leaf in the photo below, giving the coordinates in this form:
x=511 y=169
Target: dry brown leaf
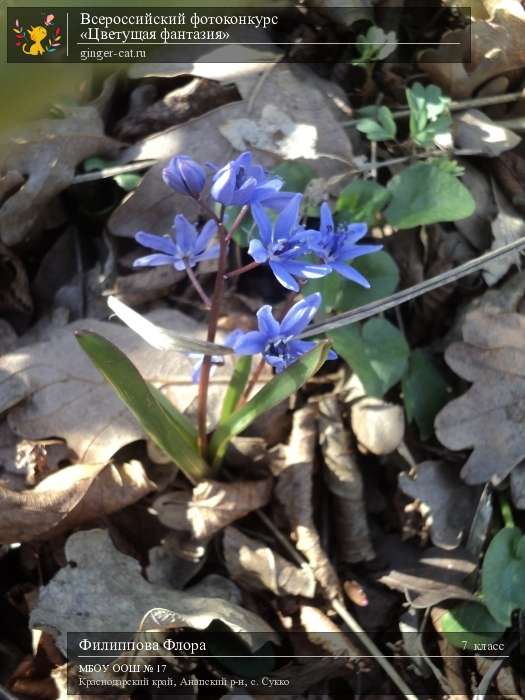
x=153 y=204
x=433 y=574
x=15 y=295
x=47 y=153
x=102 y=589
x=507 y=227
x=256 y=566
x=496 y=49
x=324 y=633
x=211 y=505
x=346 y=484
x=452 y=504
x=68 y=498
x=52 y=389
x=489 y=416
x=294 y=491
x=472 y=129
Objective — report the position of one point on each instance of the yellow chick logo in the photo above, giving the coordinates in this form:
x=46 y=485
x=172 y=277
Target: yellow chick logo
x=37 y=36
x=39 y=40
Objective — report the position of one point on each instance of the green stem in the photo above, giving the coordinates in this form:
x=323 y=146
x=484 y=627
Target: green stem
x=506 y=510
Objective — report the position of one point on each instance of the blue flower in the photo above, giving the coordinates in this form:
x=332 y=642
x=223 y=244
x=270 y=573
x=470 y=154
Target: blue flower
x=185 y=248
x=185 y=175
x=277 y=341
x=215 y=359
x=281 y=244
x=239 y=183
x=336 y=247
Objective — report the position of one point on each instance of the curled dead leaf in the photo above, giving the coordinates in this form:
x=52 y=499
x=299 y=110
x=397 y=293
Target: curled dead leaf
x=294 y=491
x=346 y=484
x=70 y=497
x=256 y=566
x=211 y=505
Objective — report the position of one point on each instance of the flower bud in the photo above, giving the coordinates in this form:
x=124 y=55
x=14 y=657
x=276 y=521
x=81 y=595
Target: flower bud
x=184 y=175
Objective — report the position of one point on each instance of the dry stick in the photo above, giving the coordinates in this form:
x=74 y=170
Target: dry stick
x=413 y=292
x=113 y=171
x=340 y=609
x=461 y=104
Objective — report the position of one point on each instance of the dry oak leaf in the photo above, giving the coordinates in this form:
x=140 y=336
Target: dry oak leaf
x=105 y=590
x=258 y=568
x=69 y=497
x=496 y=49
x=211 y=505
x=451 y=503
x=52 y=389
x=46 y=152
x=489 y=416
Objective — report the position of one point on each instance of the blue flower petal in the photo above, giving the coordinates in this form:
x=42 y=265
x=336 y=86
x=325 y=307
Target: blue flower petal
x=307 y=270
x=161 y=243
x=257 y=251
x=288 y=219
x=154 y=260
x=207 y=233
x=327 y=222
x=283 y=276
x=351 y=274
x=186 y=234
x=263 y=224
x=351 y=252
x=250 y=343
x=300 y=315
x=267 y=323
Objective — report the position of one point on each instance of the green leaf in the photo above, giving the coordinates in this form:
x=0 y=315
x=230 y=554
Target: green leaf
x=160 y=419
x=503 y=574
x=294 y=174
x=128 y=181
x=340 y=294
x=425 y=391
x=377 y=352
x=428 y=113
x=279 y=388
x=425 y=194
x=236 y=386
x=384 y=129
x=469 y=624
x=361 y=200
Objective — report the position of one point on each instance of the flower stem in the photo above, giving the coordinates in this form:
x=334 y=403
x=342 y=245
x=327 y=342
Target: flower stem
x=196 y=284
x=240 y=270
x=238 y=221
x=213 y=320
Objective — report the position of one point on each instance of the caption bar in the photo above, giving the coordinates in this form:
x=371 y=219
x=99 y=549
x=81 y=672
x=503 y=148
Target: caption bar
x=163 y=34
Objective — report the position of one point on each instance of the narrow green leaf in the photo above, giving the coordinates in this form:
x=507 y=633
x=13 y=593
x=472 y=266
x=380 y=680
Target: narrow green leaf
x=377 y=352
x=425 y=391
x=279 y=388
x=183 y=422
x=236 y=386
x=156 y=419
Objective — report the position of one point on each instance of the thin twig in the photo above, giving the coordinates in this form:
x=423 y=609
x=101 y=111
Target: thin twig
x=113 y=171
x=460 y=105
x=376 y=307
x=385 y=664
